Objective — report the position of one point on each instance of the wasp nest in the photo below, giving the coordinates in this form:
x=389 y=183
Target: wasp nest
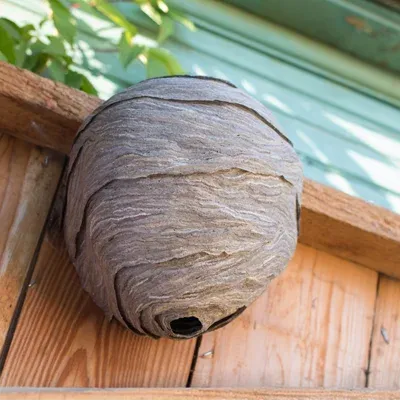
x=182 y=204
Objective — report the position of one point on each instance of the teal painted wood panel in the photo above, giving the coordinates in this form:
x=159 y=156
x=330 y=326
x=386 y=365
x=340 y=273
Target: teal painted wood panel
x=346 y=139
x=292 y=48
x=360 y=27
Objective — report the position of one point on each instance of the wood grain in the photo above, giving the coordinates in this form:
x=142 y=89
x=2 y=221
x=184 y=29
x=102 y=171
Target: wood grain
x=28 y=180
x=385 y=351
x=331 y=220
x=194 y=394
x=350 y=228
x=311 y=328
x=63 y=339
x=39 y=110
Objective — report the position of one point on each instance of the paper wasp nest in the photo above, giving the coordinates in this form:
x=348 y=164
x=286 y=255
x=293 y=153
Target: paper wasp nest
x=182 y=204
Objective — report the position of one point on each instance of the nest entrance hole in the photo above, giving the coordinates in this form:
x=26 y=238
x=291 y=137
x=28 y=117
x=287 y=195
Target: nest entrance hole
x=186 y=326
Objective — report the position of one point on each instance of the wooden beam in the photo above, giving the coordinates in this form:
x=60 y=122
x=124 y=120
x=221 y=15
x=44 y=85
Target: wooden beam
x=48 y=113
x=193 y=394
x=350 y=228
x=39 y=110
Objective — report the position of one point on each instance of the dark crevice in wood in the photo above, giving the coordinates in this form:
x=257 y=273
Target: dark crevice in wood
x=24 y=290
x=367 y=371
x=194 y=361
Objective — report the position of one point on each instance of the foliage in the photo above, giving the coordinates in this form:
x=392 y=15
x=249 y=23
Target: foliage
x=51 y=55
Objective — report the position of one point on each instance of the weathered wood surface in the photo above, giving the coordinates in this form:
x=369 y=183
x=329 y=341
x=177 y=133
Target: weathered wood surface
x=384 y=370
x=331 y=220
x=194 y=394
x=350 y=228
x=28 y=180
x=63 y=339
x=39 y=110
x=311 y=328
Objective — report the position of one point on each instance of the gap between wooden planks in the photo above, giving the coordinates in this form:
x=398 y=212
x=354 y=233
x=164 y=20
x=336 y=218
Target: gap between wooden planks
x=48 y=114
x=28 y=179
x=384 y=368
x=194 y=394
x=63 y=339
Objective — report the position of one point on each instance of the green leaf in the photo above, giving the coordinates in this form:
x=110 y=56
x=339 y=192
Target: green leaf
x=7 y=45
x=182 y=19
x=26 y=31
x=20 y=52
x=166 y=29
x=43 y=21
x=162 y=5
x=20 y=37
x=2 y=57
x=155 y=67
x=56 y=46
x=79 y=81
x=87 y=86
x=160 y=57
x=38 y=47
x=11 y=27
x=128 y=51
x=39 y=63
x=57 y=70
x=67 y=60
x=87 y=6
x=151 y=12
x=112 y=13
x=83 y=5
x=74 y=79
x=30 y=61
x=63 y=20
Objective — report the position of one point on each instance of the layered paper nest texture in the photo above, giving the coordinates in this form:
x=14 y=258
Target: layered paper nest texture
x=183 y=202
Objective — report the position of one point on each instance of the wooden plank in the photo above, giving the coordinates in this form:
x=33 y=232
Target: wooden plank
x=194 y=394
x=385 y=350
x=28 y=180
x=311 y=328
x=63 y=339
x=349 y=227
x=355 y=25
x=39 y=110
